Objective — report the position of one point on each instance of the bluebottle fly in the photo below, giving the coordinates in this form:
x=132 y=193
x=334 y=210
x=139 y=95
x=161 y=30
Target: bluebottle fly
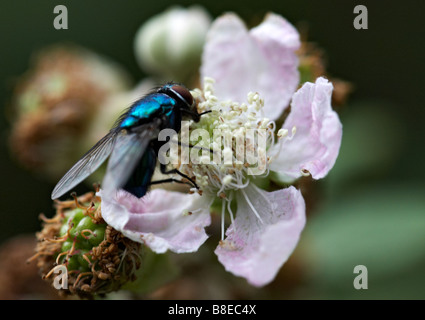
x=132 y=145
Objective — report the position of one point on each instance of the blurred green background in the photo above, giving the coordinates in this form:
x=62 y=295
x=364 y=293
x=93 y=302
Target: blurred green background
x=371 y=207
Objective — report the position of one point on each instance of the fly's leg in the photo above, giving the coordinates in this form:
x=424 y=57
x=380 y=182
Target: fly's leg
x=194 y=115
x=175 y=171
x=167 y=181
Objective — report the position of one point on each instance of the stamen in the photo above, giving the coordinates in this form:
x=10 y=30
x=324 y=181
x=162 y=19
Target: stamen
x=227 y=179
x=305 y=172
x=229 y=202
x=282 y=133
x=223 y=210
x=251 y=206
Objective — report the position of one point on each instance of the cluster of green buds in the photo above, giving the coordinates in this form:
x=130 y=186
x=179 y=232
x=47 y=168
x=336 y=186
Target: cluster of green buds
x=80 y=254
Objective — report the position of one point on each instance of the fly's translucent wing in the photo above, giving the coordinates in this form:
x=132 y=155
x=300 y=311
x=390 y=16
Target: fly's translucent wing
x=87 y=164
x=128 y=150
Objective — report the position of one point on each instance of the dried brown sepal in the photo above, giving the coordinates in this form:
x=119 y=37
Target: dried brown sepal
x=313 y=62
x=112 y=262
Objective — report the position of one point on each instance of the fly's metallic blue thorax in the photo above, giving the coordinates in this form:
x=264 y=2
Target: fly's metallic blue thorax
x=151 y=106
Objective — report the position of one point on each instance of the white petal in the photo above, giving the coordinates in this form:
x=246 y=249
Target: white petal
x=162 y=220
x=315 y=145
x=262 y=60
x=256 y=249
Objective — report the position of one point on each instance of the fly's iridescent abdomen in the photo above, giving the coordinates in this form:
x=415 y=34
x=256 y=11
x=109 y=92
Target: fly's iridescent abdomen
x=141 y=177
x=132 y=144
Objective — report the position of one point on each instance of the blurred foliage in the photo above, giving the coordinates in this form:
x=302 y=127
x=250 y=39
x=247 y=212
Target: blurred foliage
x=380 y=227
x=157 y=271
x=372 y=145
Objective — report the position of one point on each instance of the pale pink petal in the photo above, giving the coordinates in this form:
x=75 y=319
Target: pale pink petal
x=163 y=220
x=262 y=60
x=257 y=249
x=315 y=145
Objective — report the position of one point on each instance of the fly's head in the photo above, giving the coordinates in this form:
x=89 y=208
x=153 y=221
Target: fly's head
x=183 y=97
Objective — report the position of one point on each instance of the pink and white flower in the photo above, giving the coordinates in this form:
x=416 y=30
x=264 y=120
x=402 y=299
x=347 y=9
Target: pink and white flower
x=266 y=226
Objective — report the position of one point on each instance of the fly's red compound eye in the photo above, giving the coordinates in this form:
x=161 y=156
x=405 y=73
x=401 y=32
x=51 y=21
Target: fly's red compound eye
x=183 y=93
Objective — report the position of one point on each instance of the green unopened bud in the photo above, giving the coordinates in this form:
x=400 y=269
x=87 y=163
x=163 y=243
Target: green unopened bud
x=96 y=258
x=170 y=44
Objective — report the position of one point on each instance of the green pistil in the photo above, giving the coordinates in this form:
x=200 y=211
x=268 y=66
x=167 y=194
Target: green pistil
x=83 y=235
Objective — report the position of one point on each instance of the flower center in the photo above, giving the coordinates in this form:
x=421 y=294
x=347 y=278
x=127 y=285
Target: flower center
x=229 y=144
